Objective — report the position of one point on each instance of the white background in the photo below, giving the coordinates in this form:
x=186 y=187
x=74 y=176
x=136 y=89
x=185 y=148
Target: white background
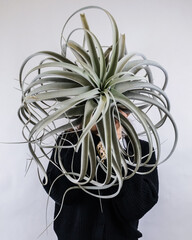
x=159 y=29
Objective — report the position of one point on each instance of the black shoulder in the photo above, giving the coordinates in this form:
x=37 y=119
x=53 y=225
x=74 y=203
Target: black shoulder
x=145 y=151
x=144 y=146
x=66 y=137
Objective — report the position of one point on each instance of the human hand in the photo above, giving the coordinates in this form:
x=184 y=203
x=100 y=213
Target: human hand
x=118 y=129
x=118 y=125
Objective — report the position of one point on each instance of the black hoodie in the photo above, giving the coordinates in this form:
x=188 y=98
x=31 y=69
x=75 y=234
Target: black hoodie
x=84 y=217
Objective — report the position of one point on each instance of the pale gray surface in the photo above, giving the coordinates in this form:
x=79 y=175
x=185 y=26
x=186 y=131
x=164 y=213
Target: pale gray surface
x=159 y=29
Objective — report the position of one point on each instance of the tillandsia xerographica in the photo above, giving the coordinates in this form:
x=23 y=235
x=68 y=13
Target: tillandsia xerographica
x=59 y=94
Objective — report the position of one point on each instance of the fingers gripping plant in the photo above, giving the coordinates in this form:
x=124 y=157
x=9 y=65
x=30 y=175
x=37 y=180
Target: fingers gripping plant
x=59 y=94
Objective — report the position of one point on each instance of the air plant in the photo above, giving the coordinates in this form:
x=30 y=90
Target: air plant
x=59 y=94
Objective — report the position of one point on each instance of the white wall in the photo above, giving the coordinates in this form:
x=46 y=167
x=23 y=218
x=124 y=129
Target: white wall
x=159 y=29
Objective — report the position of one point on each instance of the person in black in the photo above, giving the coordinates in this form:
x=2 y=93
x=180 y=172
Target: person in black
x=84 y=217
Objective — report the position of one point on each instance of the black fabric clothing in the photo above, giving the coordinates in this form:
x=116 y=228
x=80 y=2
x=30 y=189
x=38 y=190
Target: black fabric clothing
x=84 y=217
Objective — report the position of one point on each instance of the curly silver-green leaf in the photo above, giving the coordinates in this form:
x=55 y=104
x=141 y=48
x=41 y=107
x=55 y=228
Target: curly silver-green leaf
x=64 y=96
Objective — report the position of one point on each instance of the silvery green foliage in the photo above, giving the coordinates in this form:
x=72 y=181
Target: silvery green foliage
x=59 y=94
